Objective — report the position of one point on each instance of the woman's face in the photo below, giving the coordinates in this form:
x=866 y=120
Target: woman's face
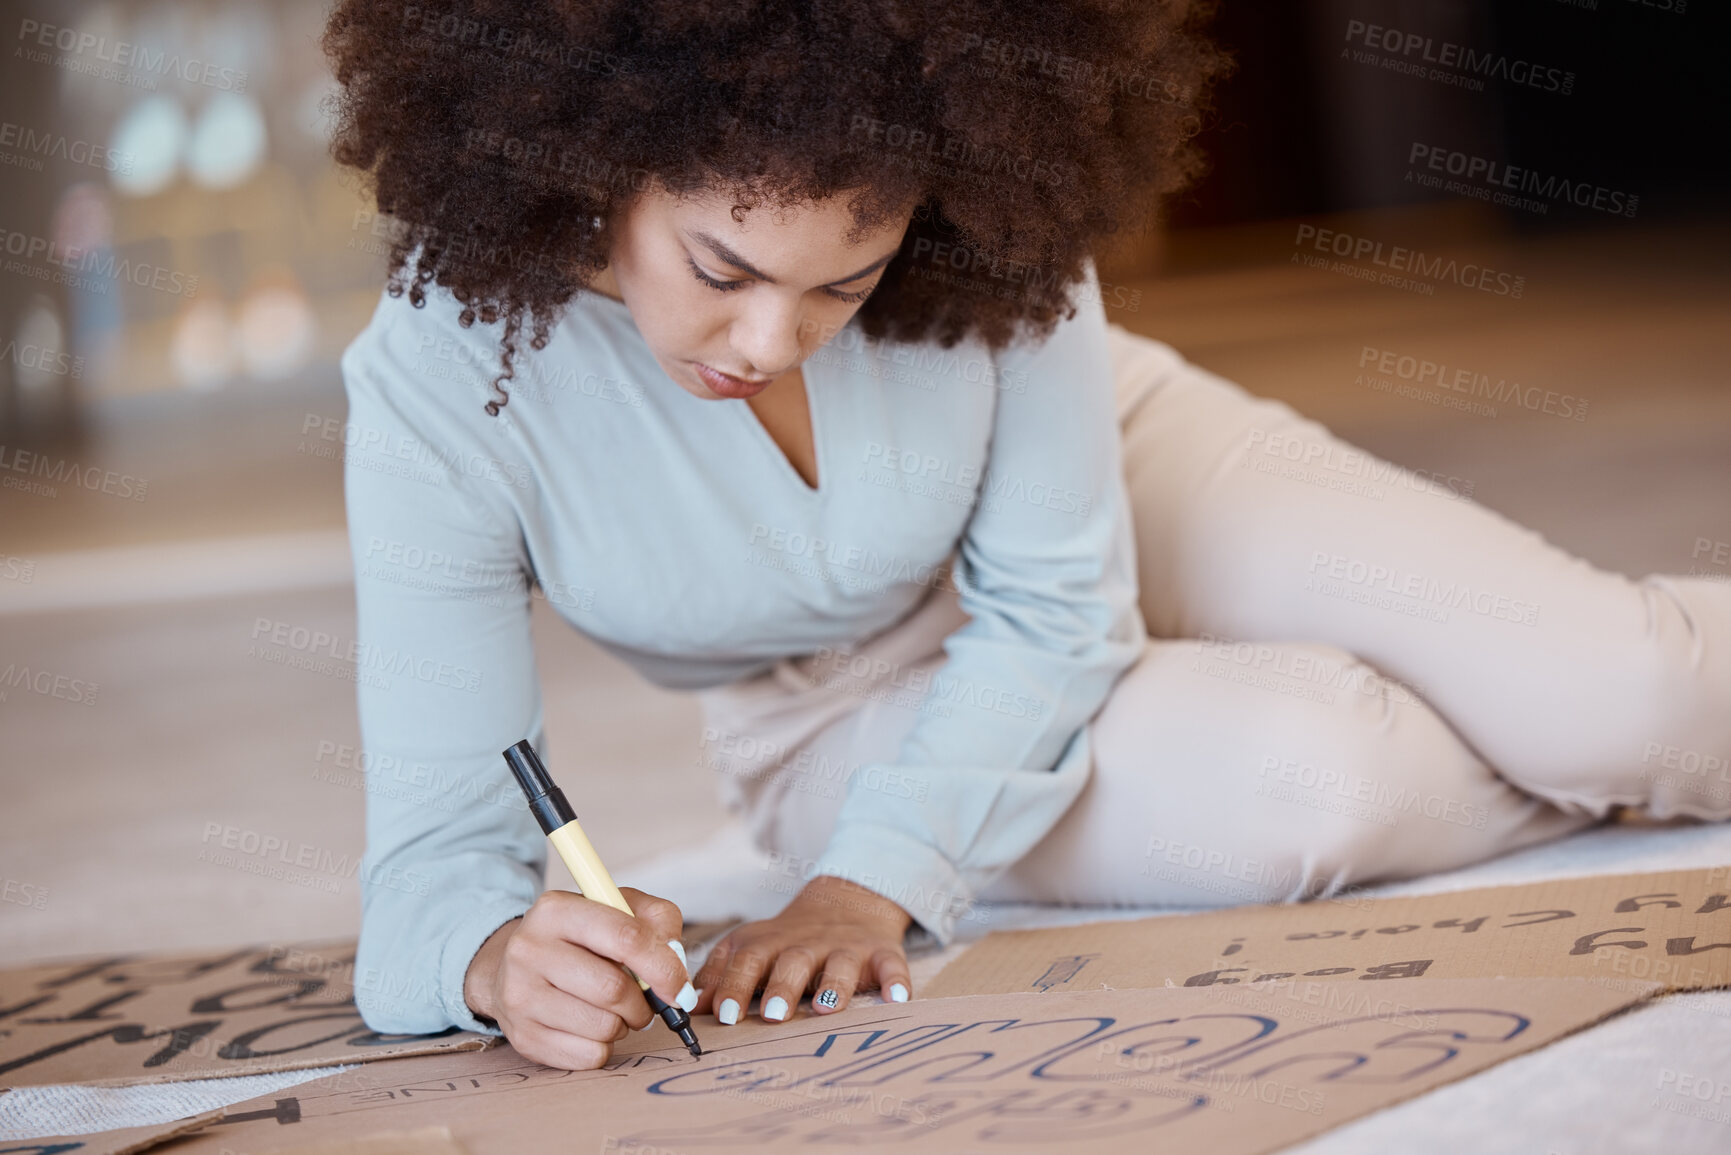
x=728 y=306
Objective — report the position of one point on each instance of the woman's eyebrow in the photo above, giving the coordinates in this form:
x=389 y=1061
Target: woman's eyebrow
x=720 y=249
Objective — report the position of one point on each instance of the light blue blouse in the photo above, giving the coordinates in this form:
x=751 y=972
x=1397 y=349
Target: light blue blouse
x=674 y=532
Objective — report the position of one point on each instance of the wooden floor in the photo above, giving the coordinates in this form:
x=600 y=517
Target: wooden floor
x=106 y=805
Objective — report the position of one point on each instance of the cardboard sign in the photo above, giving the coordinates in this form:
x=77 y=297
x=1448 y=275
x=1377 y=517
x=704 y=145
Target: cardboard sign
x=1230 y=1071
x=1673 y=928
x=133 y=1019
x=124 y=1141
x=425 y=1141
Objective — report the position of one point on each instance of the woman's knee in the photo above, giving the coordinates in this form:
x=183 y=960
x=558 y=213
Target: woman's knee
x=1672 y=716
x=1264 y=783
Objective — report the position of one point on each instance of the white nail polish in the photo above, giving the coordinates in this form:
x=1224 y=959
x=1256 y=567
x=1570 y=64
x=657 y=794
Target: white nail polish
x=775 y=1009
x=728 y=1012
x=898 y=993
x=687 y=999
x=678 y=948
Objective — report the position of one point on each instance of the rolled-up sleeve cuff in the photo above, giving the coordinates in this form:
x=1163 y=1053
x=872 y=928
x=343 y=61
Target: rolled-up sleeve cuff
x=461 y=945
x=910 y=873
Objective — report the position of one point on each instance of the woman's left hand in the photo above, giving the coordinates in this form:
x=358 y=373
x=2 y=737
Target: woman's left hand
x=846 y=937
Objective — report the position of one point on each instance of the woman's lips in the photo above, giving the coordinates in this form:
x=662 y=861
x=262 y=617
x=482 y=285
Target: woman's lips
x=727 y=385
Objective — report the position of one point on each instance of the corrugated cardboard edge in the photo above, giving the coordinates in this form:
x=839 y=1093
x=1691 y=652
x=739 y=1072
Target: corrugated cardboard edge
x=289 y=1063
x=420 y=1141
x=141 y=1138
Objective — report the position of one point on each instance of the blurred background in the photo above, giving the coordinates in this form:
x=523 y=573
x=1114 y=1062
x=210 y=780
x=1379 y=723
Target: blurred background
x=169 y=481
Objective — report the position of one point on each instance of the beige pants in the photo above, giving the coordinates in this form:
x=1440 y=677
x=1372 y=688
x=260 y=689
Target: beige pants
x=1354 y=674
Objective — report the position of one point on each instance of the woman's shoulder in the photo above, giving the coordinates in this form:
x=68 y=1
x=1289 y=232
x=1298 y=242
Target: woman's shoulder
x=423 y=347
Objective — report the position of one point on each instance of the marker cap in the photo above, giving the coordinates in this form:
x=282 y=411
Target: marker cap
x=546 y=800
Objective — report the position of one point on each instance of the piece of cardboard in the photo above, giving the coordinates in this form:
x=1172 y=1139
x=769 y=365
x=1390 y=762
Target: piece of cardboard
x=124 y=1141
x=422 y=1141
x=1673 y=927
x=1227 y=1070
x=145 y=1019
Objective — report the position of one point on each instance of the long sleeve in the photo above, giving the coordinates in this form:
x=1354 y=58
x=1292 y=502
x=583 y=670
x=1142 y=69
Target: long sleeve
x=1047 y=573
x=446 y=681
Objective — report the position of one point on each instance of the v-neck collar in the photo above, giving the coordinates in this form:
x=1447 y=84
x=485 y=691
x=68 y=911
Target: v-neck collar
x=819 y=458
x=812 y=392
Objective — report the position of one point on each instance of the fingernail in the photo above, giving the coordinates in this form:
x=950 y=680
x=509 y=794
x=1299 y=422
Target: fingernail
x=687 y=999
x=827 y=998
x=775 y=1009
x=898 y=993
x=728 y=1012
x=678 y=948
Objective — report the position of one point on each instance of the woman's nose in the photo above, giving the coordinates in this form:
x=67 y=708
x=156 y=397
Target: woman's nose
x=766 y=334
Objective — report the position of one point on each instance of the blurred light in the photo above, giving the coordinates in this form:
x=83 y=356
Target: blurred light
x=153 y=133
x=275 y=331
x=82 y=219
x=202 y=349
x=39 y=351
x=228 y=143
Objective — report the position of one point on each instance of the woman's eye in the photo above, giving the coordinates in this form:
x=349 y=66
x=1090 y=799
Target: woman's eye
x=851 y=298
x=723 y=286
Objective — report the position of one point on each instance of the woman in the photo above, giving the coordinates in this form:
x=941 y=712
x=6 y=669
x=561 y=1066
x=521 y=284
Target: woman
x=763 y=340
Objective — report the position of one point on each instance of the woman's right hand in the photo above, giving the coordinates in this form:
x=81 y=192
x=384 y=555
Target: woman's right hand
x=552 y=982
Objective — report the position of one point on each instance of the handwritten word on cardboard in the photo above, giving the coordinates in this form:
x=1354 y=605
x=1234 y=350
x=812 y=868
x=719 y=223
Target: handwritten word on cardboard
x=1673 y=928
